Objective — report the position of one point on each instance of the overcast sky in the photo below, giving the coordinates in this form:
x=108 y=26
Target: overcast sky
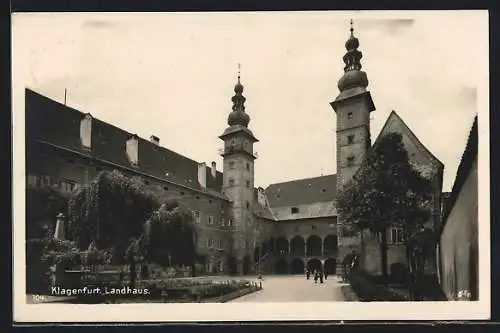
x=172 y=75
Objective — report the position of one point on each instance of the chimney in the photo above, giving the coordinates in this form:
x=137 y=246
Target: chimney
x=214 y=169
x=154 y=139
x=202 y=174
x=132 y=148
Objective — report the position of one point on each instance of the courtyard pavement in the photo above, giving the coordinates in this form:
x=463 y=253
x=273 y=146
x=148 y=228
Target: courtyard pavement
x=295 y=288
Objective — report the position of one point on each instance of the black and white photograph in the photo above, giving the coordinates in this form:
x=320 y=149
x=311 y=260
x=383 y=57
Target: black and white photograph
x=222 y=166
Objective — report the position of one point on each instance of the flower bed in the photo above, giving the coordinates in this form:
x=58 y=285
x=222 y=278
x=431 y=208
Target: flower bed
x=193 y=289
x=177 y=290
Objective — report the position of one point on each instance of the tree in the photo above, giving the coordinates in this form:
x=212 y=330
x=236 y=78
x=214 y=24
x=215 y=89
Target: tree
x=169 y=235
x=386 y=191
x=110 y=212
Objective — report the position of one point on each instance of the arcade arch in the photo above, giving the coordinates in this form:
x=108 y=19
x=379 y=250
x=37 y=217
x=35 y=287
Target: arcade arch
x=314 y=246
x=297 y=246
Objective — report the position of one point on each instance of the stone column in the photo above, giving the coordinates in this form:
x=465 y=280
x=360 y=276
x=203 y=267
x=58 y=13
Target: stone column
x=305 y=249
x=59 y=233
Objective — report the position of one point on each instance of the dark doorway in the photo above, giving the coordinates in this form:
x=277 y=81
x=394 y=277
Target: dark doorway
x=231 y=265
x=281 y=267
x=297 y=266
x=331 y=266
x=314 y=264
x=246 y=265
x=272 y=244
x=256 y=254
x=264 y=248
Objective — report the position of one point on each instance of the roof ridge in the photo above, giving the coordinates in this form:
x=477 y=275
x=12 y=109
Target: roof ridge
x=412 y=135
x=72 y=109
x=301 y=179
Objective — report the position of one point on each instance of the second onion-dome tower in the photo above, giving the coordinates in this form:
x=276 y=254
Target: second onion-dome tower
x=353 y=107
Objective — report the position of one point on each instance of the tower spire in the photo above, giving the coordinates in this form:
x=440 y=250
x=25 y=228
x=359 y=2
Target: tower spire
x=238 y=116
x=353 y=76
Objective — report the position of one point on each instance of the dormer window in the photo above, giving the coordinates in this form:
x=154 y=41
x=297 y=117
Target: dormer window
x=86 y=131
x=231 y=165
x=295 y=210
x=132 y=148
x=350 y=160
x=350 y=139
x=231 y=182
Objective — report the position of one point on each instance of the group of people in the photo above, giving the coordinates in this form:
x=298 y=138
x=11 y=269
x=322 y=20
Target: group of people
x=318 y=274
x=349 y=265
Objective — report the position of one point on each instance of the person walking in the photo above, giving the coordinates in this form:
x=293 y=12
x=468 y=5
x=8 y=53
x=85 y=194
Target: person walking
x=326 y=274
x=320 y=276
x=316 y=276
x=308 y=274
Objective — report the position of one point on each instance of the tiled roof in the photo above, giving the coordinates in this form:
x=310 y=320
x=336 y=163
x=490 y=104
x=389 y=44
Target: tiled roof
x=302 y=191
x=58 y=124
x=307 y=211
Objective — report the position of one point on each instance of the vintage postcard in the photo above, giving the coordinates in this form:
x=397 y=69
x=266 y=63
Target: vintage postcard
x=249 y=166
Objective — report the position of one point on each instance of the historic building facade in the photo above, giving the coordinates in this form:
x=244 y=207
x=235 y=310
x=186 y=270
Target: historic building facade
x=242 y=228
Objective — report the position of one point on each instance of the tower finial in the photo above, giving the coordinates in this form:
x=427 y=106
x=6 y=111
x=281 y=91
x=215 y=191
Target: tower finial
x=239 y=72
x=352 y=29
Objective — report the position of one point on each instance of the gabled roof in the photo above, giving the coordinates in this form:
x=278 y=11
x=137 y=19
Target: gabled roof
x=50 y=121
x=302 y=191
x=395 y=117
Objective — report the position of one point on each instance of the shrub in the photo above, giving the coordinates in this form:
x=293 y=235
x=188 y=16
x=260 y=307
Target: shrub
x=399 y=273
x=367 y=291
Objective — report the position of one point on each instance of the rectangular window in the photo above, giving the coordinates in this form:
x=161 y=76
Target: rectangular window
x=350 y=160
x=67 y=186
x=221 y=244
x=33 y=180
x=45 y=180
x=231 y=165
x=396 y=235
x=231 y=182
x=210 y=219
x=349 y=115
x=350 y=139
x=222 y=221
x=248 y=183
x=248 y=205
x=229 y=222
x=210 y=243
x=197 y=216
x=248 y=166
x=295 y=210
